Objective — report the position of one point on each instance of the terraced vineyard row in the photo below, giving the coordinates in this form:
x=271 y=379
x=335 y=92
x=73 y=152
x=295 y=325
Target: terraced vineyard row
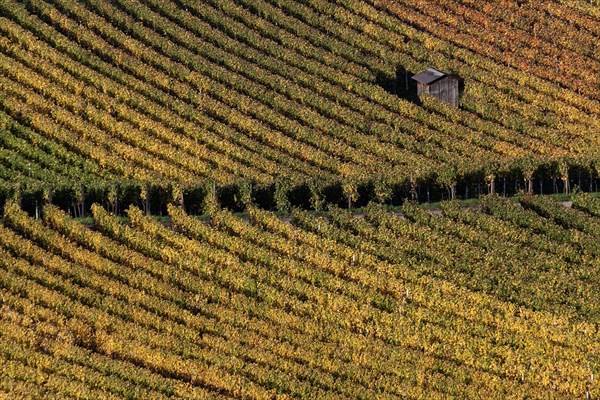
x=467 y=305
x=231 y=92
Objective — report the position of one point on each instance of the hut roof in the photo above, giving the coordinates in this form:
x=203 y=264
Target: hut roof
x=428 y=76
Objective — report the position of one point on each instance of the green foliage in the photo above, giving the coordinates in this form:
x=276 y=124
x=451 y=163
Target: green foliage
x=382 y=190
x=281 y=195
x=237 y=107
x=350 y=190
x=384 y=303
x=447 y=176
x=244 y=193
x=586 y=202
x=402 y=293
x=317 y=199
x=210 y=202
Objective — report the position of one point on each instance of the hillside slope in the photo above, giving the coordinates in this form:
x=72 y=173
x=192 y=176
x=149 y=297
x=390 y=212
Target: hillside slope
x=495 y=305
x=180 y=92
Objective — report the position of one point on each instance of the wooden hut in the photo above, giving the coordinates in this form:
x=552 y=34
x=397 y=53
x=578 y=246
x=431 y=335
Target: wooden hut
x=438 y=84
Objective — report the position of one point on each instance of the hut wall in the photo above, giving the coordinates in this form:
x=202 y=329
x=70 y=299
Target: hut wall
x=452 y=97
x=445 y=89
x=422 y=88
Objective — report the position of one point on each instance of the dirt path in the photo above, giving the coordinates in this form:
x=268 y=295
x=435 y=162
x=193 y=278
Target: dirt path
x=567 y=204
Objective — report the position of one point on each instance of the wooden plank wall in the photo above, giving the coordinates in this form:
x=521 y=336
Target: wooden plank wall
x=445 y=89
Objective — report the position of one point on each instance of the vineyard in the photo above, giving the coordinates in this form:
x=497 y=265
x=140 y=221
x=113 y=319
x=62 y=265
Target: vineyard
x=497 y=303
x=124 y=100
x=220 y=199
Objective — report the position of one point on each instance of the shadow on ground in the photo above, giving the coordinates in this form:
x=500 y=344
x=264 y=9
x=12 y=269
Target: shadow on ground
x=400 y=84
